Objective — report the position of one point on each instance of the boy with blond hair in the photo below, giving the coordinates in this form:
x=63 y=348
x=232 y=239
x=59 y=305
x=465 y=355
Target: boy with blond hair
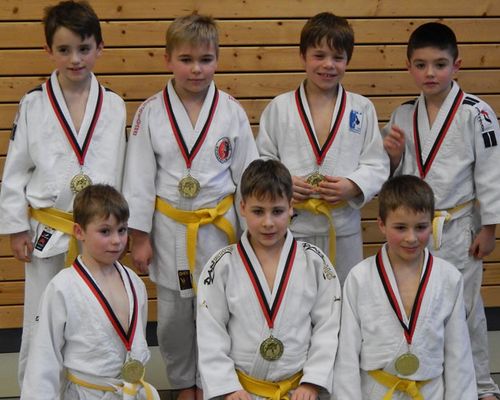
x=330 y=141
x=269 y=306
x=188 y=148
x=404 y=334
x=68 y=133
x=450 y=139
x=89 y=339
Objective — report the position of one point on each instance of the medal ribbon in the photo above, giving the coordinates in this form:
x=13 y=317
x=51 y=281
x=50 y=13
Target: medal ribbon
x=320 y=153
x=126 y=337
x=269 y=312
x=80 y=152
x=424 y=168
x=189 y=155
x=410 y=329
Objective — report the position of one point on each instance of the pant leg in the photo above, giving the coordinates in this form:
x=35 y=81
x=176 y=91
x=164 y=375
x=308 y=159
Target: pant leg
x=177 y=337
x=457 y=238
x=38 y=274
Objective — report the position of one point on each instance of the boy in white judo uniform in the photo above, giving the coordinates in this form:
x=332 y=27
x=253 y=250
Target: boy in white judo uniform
x=403 y=330
x=450 y=139
x=330 y=141
x=269 y=306
x=188 y=148
x=68 y=133
x=89 y=339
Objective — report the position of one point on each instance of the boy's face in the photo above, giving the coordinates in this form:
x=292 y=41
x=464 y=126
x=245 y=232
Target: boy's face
x=73 y=57
x=103 y=240
x=325 y=67
x=407 y=233
x=193 y=67
x=433 y=70
x=267 y=220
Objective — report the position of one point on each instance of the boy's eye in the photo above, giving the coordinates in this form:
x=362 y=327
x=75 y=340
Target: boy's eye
x=123 y=230
x=85 y=49
x=257 y=211
x=104 y=231
x=422 y=227
x=278 y=211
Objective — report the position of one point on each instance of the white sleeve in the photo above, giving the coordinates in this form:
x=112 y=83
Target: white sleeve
x=122 y=145
x=217 y=369
x=346 y=375
x=139 y=181
x=325 y=319
x=486 y=133
x=16 y=175
x=267 y=137
x=373 y=167
x=42 y=379
x=459 y=376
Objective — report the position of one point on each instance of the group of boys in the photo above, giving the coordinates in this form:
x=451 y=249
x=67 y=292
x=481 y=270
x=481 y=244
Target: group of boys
x=260 y=317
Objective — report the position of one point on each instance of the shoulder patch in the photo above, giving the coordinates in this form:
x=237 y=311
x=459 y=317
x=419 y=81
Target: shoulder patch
x=213 y=262
x=409 y=102
x=471 y=101
x=136 y=125
x=328 y=271
x=36 y=89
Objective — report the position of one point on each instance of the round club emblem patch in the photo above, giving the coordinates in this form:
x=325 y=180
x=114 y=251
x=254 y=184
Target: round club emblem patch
x=223 y=150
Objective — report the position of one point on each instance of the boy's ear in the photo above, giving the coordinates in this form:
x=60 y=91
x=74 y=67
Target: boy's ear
x=168 y=59
x=457 y=64
x=408 y=64
x=47 y=49
x=242 y=207
x=381 y=225
x=100 y=47
x=78 y=231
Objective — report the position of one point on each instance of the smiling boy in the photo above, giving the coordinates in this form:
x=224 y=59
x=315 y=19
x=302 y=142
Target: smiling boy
x=403 y=330
x=69 y=132
x=330 y=141
x=450 y=138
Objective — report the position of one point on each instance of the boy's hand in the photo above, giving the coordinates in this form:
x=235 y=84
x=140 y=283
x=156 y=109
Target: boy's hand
x=141 y=250
x=238 y=395
x=305 y=391
x=21 y=246
x=335 y=189
x=394 y=145
x=301 y=189
x=484 y=243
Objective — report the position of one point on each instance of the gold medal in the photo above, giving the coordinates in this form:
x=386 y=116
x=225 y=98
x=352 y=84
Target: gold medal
x=271 y=349
x=189 y=187
x=315 y=178
x=79 y=182
x=407 y=364
x=132 y=371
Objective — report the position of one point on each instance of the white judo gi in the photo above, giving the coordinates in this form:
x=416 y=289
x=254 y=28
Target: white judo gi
x=40 y=165
x=356 y=153
x=464 y=168
x=231 y=324
x=154 y=167
x=372 y=336
x=73 y=334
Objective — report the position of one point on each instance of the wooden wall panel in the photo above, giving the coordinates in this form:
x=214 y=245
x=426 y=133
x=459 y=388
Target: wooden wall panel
x=258 y=60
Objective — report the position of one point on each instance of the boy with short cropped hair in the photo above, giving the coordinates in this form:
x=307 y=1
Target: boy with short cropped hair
x=330 y=141
x=189 y=146
x=269 y=306
x=89 y=338
x=68 y=133
x=450 y=139
x=404 y=334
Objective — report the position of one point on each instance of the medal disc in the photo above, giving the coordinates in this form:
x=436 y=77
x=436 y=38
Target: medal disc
x=132 y=371
x=407 y=364
x=271 y=349
x=315 y=178
x=189 y=187
x=79 y=182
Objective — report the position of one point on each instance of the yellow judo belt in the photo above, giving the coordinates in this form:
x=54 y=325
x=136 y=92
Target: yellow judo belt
x=318 y=206
x=393 y=382
x=129 y=389
x=194 y=219
x=440 y=218
x=267 y=389
x=61 y=221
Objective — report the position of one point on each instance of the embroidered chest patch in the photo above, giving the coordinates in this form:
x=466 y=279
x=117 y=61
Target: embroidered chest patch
x=355 y=121
x=223 y=150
